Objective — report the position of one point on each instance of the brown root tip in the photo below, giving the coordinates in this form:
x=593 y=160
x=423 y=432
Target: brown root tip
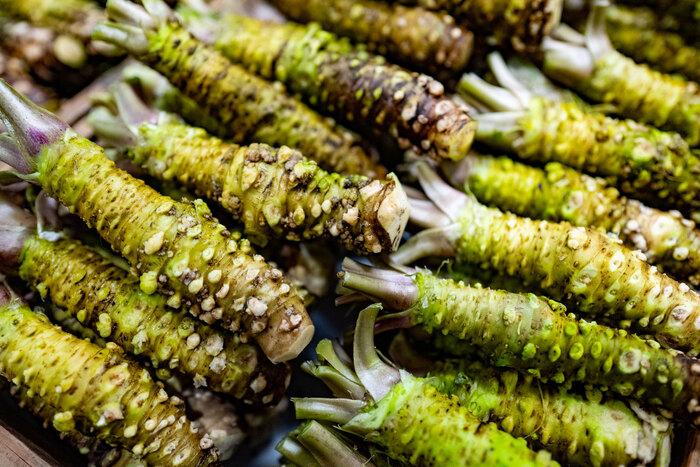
x=394 y=212
x=282 y=345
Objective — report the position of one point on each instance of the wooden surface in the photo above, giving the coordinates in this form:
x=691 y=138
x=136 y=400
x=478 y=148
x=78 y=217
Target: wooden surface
x=20 y=452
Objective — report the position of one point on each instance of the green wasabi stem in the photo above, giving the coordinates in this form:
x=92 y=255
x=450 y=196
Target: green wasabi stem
x=293 y=451
x=74 y=17
x=584 y=268
x=558 y=193
x=521 y=24
x=97 y=452
x=327 y=448
x=633 y=32
x=416 y=424
x=330 y=446
x=648 y=164
x=577 y=430
x=247 y=108
x=535 y=336
x=275 y=193
x=414 y=37
x=108 y=300
x=603 y=75
x=97 y=391
x=354 y=85
x=177 y=248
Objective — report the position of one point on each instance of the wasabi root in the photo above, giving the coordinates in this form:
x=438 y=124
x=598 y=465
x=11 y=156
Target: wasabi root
x=247 y=107
x=558 y=193
x=635 y=33
x=354 y=85
x=409 y=418
x=587 y=270
x=108 y=300
x=577 y=430
x=655 y=166
x=535 y=336
x=593 y=68
x=414 y=37
x=97 y=452
x=275 y=193
x=97 y=391
x=177 y=248
x=213 y=414
x=680 y=16
x=521 y=24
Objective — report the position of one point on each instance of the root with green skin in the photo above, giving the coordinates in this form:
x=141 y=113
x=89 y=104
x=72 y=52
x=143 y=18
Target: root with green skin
x=337 y=77
x=247 y=108
x=590 y=272
x=648 y=164
x=75 y=17
x=634 y=32
x=414 y=37
x=577 y=430
x=558 y=193
x=108 y=300
x=535 y=336
x=415 y=423
x=519 y=23
x=604 y=75
x=680 y=16
x=96 y=391
x=97 y=452
x=275 y=193
x=176 y=247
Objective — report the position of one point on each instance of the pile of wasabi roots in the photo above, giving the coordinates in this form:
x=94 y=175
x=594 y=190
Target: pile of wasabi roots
x=498 y=198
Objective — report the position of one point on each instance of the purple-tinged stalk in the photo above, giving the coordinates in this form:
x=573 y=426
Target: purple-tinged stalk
x=591 y=273
x=536 y=336
x=177 y=248
x=408 y=418
x=604 y=75
x=655 y=166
